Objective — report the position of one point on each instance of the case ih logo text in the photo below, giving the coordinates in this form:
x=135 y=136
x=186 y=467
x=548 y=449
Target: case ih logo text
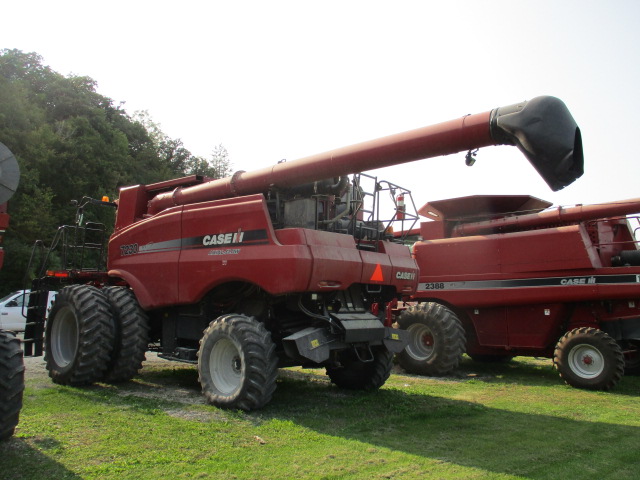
x=406 y=276
x=223 y=238
x=578 y=281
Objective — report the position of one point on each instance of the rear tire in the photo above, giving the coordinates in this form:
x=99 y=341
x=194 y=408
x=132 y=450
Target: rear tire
x=11 y=383
x=589 y=358
x=79 y=336
x=131 y=335
x=237 y=363
x=437 y=340
x=354 y=374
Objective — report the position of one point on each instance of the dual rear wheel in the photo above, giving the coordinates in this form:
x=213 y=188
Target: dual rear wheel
x=95 y=335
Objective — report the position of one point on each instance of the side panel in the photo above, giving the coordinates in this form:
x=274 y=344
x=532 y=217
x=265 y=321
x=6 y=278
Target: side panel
x=179 y=255
x=452 y=257
x=546 y=266
x=518 y=327
x=377 y=268
x=562 y=248
x=491 y=326
x=146 y=256
x=233 y=240
x=535 y=326
x=566 y=248
x=336 y=261
x=404 y=273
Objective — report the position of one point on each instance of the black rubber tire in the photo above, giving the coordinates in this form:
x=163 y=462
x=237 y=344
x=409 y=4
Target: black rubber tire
x=237 y=363
x=441 y=353
x=11 y=383
x=355 y=374
x=131 y=335
x=588 y=358
x=79 y=336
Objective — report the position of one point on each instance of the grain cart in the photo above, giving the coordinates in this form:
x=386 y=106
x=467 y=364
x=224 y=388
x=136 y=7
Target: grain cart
x=11 y=364
x=278 y=267
x=517 y=277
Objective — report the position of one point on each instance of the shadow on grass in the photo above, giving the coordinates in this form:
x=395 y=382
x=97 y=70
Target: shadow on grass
x=22 y=458
x=530 y=372
x=432 y=427
x=470 y=434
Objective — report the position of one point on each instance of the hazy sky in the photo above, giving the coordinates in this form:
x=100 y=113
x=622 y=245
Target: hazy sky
x=286 y=79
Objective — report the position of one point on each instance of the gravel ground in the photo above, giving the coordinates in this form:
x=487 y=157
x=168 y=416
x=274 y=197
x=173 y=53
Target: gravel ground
x=159 y=379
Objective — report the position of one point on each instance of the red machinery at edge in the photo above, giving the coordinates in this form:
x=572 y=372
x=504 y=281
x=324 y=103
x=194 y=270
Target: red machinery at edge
x=11 y=364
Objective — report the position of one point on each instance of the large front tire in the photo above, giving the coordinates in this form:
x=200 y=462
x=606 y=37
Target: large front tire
x=437 y=340
x=11 y=383
x=131 y=335
x=589 y=358
x=355 y=374
x=237 y=363
x=79 y=336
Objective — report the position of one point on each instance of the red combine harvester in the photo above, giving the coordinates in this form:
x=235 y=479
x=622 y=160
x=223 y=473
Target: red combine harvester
x=278 y=267
x=517 y=277
x=11 y=364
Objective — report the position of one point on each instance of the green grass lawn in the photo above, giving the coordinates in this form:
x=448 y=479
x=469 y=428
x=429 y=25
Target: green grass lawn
x=515 y=420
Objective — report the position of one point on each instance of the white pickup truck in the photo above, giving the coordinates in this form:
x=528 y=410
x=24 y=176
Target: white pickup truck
x=12 y=313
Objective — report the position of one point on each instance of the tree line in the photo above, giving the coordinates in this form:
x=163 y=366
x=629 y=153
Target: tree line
x=71 y=141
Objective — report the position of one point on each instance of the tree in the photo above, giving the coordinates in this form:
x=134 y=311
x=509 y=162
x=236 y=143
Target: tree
x=218 y=167
x=71 y=141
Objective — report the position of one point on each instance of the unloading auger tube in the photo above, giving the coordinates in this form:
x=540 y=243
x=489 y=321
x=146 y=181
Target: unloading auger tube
x=542 y=128
x=557 y=216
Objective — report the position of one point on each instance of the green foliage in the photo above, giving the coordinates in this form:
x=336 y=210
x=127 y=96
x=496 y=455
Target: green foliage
x=70 y=141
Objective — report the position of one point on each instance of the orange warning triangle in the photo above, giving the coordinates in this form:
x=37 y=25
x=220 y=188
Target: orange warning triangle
x=377 y=275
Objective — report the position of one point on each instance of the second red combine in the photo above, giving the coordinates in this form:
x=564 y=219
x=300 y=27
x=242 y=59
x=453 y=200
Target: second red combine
x=512 y=276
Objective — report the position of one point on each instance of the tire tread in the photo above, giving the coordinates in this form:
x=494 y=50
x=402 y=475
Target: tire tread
x=11 y=383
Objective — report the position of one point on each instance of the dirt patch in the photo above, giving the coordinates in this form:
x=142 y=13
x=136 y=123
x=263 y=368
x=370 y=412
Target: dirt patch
x=35 y=368
x=159 y=379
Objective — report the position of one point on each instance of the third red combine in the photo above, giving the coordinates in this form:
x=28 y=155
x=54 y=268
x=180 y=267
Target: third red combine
x=277 y=267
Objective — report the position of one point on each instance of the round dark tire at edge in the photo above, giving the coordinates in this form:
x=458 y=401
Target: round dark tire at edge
x=11 y=383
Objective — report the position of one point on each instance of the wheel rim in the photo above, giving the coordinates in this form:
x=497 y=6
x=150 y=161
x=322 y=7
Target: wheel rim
x=586 y=361
x=421 y=344
x=225 y=365
x=64 y=337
